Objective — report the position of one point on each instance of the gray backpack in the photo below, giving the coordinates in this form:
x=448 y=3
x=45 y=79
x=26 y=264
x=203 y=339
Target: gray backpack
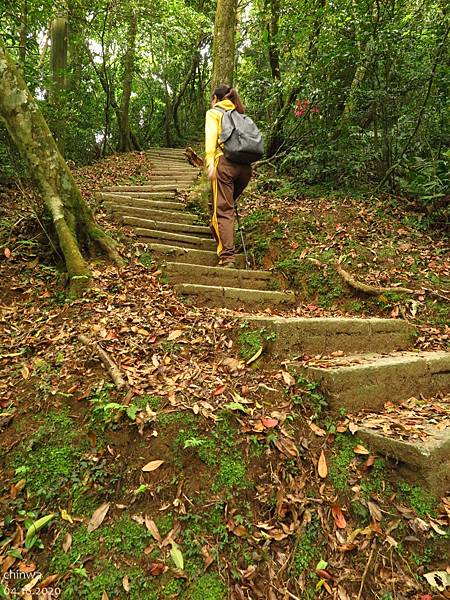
x=241 y=140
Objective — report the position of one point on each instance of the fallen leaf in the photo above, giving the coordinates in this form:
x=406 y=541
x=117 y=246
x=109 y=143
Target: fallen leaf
x=338 y=517
x=360 y=450
x=317 y=430
x=288 y=379
x=67 y=542
x=177 y=556
x=322 y=467
x=152 y=466
x=219 y=390
x=156 y=569
x=437 y=529
x=105 y=596
x=438 y=579
x=374 y=510
x=26 y=567
x=7 y=252
x=255 y=356
x=98 y=517
x=126 y=583
x=269 y=423
x=174 y=335
x=151 y=526
x=25 y=371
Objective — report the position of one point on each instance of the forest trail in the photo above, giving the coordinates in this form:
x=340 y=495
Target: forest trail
x=159 y=218
x=364 y=364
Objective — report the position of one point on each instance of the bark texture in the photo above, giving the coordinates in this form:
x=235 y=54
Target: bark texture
x=224 y=43
x=72 y=218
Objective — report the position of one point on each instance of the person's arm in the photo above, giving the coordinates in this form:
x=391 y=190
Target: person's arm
x=211 y=135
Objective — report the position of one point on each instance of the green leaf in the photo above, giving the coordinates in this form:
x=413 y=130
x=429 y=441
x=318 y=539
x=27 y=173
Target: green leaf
x=15 y=553
x=236 y=406
x=35 y=527
x=176 y=555
x=132 y=411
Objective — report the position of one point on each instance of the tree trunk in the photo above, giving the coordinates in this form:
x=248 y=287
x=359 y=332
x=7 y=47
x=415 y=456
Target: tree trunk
x=126 y=140
x=72 y=218
x=224 y=43
x=23 y=32
x=59 y=38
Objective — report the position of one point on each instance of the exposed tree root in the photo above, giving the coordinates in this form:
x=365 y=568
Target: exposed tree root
x=107 y=244
x=373 y=290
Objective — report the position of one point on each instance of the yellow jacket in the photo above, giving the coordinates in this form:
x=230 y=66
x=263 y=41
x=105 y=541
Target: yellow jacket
x=213 y=129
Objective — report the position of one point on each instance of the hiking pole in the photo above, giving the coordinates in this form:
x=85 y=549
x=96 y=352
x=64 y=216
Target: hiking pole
x=241 y=231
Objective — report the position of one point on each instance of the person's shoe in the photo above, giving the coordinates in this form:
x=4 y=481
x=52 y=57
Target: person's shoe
x=229 y=265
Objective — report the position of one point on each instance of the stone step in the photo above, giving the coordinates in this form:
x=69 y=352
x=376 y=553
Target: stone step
x=112 y=196
x=296 y=336
x=190 y=255
x=424 y=461
x=232 y=297
x=168 y=226
x=368 y=381
x=218 y=276
x=130 y=196
x=172 y=179
x=142 y=188
x=164 y=205
x=175 y=239
x=146 y=213
x=169 y=170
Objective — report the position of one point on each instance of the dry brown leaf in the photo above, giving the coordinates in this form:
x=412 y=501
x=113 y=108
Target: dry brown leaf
x=360 y=450
x=67 y=542
x=98 y=517
x=317 y=430
x=152 y=466
x=374 y=510
x=156 y=569
x=174 y=335
x=338 y=517
x=322 y=467
x=105 y=596
x=126 y=583
x=151 y=526
x=288 y=379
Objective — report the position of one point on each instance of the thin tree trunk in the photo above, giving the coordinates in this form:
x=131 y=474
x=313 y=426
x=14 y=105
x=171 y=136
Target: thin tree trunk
x=224 y=43
x=23 y=32
x=71 y=215
x=59 y=38
x=126 y=140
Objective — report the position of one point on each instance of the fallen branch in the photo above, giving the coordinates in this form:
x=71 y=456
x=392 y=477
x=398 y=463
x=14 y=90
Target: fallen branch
x=111 y=366
x=194 y=158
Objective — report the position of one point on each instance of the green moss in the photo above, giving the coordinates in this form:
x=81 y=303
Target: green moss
x=232 y=474
x=307 y=549
x=165 y=524
x=173 y=588
x=126 y=537
x=339 y=468
x=50 y=462
x=146 y=259
x=419 y=499
x=208 y=587
x=375 y=481
x=250 y=341
x=83 y=544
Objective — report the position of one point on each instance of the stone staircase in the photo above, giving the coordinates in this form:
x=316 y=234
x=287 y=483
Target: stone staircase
x=367 y=366
x=360 y=365
x=186 y=249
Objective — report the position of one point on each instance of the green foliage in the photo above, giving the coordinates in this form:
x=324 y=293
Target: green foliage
x=232 y=474
x=83 y=544
x=339 y=467
x=125 y=536
x=307 y=548
x=422 y=501
x=51 y=461
x=250 y=341
x=208 y=587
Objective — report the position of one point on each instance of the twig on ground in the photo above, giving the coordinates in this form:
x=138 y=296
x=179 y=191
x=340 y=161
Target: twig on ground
x=112 y=368
x=366 y=570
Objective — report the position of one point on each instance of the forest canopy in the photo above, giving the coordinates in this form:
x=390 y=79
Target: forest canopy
x=348 y=94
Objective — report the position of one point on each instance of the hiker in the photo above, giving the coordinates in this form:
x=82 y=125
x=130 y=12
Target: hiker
x=228 y=179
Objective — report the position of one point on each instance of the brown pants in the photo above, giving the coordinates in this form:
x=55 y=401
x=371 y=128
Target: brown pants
x=231 y=180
